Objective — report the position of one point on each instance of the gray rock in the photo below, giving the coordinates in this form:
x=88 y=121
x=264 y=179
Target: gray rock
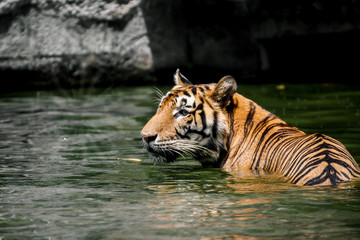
x=86 y=42
x=74 y=39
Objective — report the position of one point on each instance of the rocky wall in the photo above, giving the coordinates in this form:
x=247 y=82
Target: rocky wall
x=91 y=42
x=74 y=42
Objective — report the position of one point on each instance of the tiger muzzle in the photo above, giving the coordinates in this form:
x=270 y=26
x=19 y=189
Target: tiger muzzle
x=158 y=153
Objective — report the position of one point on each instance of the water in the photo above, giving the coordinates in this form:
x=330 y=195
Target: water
x=72 y=167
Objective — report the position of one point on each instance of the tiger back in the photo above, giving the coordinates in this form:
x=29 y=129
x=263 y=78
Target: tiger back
x=221 y=128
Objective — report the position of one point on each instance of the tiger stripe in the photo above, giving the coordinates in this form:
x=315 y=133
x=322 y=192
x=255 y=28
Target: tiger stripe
x=221 y=128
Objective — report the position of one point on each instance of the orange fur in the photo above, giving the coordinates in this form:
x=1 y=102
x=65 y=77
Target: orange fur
x=220 y=127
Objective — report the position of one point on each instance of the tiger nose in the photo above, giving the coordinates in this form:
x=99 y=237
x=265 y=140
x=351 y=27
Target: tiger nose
x=148 y=137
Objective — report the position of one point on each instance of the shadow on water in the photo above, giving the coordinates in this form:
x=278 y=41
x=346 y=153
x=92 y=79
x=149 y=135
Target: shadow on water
x=72 y=167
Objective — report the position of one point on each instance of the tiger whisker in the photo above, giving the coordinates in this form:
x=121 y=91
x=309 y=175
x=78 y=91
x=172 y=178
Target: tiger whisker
x=158 y=92
x=156 y=100
x=192 y=148
x=180 y=153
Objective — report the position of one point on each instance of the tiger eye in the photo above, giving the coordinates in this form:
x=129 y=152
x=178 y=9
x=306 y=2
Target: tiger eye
x=184 y=112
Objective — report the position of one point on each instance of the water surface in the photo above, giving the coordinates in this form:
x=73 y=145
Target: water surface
x=72 y=167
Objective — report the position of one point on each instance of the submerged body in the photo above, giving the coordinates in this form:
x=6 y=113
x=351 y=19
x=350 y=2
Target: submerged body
x=220 y=127
x=260 y=140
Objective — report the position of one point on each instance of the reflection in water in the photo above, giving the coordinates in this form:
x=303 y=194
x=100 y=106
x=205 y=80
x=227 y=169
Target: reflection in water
x=240 y=203
x=70 y=169
x=257 y=181
x=250 y=204
x=193 y=210
x=229 y=236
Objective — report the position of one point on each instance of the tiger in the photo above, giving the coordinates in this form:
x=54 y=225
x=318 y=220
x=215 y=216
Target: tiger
x=220 y=128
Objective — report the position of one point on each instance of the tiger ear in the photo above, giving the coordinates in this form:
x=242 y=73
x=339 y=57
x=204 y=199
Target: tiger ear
x=181 y=80
x=224 y=90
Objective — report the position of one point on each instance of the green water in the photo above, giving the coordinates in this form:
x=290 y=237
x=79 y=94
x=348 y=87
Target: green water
x=70 y=169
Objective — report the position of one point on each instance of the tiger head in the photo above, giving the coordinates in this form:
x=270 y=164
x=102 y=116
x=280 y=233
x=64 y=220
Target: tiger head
x=191 y=120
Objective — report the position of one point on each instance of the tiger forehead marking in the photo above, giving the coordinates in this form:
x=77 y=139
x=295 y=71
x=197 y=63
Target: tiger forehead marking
x=185 y=104
x=185 y=101
x=221 y=128
x=185 y=97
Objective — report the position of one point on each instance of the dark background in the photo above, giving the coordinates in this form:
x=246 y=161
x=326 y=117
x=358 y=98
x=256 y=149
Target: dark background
x=115 y=43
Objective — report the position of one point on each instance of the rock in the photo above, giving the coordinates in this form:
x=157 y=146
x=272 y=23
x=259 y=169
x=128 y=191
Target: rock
x=112 y=42
x=74 y=40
